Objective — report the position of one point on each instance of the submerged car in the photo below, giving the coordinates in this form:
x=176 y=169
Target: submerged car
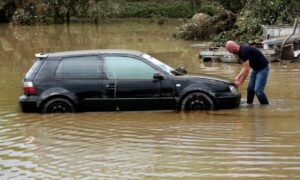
x=113 y=80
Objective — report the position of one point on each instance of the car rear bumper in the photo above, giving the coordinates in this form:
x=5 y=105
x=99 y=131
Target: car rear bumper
x=28 y=103
x=229 y=102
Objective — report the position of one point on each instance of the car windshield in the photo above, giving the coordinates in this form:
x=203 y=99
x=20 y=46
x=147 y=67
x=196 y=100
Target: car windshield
x=163 y=66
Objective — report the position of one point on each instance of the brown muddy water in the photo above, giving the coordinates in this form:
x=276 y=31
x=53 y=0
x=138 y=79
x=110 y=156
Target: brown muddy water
x=260 y=142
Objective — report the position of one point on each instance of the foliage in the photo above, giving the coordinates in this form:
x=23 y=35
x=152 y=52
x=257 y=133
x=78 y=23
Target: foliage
x=290 y=12
x=32 y=13
x=233 y=5
x=61 y=11
x=195 y=5
x=199 y=27
x=239 y=20
x=103 y=9
x=177 y=9
x=2 y=4
x=246 y=30
x=212 y=8
x=214 y=20
x=23 y=17
x=256 y=13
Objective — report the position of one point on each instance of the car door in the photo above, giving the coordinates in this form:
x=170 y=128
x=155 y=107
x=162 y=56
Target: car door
x=132 y=83
x=82 y=77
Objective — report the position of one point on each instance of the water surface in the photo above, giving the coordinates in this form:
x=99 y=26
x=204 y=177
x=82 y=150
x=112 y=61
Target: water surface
x=260 y=142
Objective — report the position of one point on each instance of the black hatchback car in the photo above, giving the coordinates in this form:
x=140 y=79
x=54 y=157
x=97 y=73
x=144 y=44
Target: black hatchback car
x=112 y=80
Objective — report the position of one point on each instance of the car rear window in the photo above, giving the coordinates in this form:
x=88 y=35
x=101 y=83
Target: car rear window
x=34 y=69
x=88 y=67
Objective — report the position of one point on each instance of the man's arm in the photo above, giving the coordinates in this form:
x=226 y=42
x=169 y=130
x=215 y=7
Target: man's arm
x=242 y=76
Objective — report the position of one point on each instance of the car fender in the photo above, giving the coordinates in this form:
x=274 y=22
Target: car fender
x=193 y=88
x=58 y=92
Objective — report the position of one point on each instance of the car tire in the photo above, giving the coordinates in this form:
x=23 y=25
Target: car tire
x=197 y=101
x=58 y=105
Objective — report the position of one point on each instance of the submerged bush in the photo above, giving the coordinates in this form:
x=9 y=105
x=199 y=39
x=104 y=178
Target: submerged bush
x=203 y=26
x=200 y=27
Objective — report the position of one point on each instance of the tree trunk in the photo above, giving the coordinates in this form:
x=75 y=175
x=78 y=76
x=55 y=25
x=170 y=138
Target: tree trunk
x=195 y=4
x=68 y=16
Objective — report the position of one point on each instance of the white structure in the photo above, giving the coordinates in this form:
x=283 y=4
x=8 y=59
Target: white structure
x=271 y=31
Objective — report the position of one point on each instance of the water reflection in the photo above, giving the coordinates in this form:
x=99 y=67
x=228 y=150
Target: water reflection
x=249 y=142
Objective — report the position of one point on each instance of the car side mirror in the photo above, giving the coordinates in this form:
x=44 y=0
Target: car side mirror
x=158 y=76
x=180 y=71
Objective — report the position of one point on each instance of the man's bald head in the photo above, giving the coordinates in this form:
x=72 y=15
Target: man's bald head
x=232 y=47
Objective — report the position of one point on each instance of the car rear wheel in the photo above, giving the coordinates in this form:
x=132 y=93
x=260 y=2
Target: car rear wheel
x=58 y=105
x=197 y=101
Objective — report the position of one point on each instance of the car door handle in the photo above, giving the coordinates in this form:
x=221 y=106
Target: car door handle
x=110 y=86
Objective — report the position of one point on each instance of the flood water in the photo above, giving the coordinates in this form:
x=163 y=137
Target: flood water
x=260 y=142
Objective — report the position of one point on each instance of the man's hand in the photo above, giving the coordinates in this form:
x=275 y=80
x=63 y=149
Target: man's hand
x=241 y=77
x=237 y=82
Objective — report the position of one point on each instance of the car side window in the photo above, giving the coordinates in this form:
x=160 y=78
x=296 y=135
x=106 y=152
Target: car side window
x=121 y=67
x=84 y=67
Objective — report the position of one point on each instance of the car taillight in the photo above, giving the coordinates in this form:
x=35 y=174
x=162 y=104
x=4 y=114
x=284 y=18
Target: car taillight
x=28 y=88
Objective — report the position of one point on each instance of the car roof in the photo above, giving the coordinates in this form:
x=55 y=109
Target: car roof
x=87 y=52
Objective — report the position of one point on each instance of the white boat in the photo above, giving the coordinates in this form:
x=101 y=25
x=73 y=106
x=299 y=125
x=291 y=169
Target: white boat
x=219 y=55
x=222 y=55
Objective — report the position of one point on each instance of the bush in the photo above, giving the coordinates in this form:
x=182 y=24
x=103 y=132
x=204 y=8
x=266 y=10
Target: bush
x=256 y=13
x=31 y=14
x=23 y=17
x=200 y=27
x=247 y=30
x=211 y=9
x=203 y=26
x=177 y=10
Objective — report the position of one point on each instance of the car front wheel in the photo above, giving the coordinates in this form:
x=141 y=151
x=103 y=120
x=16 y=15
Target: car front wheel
x=58 y=105
x=197 y=101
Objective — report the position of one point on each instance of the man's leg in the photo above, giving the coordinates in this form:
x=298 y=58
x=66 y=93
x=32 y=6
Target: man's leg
x=251 y=88
x=261 y=81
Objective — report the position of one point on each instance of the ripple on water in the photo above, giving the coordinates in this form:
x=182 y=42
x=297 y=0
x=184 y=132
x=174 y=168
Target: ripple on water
x=248 y=142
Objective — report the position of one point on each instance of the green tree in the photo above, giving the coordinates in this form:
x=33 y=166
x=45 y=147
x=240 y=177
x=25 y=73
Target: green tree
x=61 y=10
x=101 y=9
x=233 y=5
x=272 y=11
x=256 y=13
x=195 y=4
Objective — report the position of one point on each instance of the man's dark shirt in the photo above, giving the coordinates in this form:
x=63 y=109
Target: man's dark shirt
x=257 y=60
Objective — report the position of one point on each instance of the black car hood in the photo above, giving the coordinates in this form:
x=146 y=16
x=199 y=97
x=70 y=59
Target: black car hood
x=202 y=77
